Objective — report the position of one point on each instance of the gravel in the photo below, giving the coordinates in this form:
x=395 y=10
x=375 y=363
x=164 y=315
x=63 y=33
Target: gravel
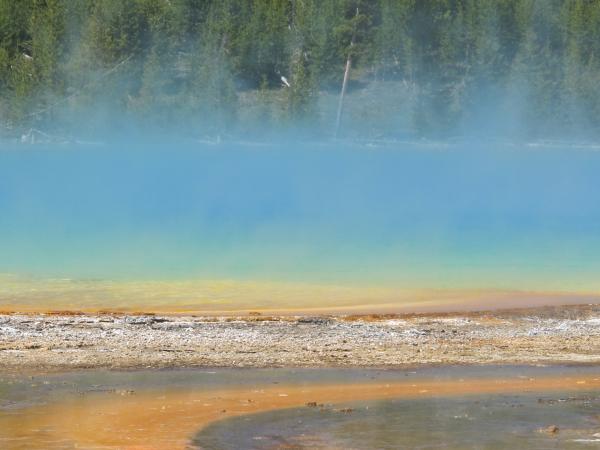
x=544 y=335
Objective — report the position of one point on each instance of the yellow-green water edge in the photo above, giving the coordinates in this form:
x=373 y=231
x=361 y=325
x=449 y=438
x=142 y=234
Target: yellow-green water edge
x=26 y=294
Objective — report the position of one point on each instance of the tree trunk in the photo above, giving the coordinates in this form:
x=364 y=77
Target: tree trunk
x=338 y=120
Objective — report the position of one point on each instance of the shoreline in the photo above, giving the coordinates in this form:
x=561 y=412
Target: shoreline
x=543 y=335
x=31 y=295
x=348 y=312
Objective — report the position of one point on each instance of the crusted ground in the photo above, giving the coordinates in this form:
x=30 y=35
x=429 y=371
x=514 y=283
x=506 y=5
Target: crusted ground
x=60 y=341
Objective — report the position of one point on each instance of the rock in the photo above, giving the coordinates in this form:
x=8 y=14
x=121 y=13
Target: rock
x=139 y=320
x=314 y=320
x=124 y=392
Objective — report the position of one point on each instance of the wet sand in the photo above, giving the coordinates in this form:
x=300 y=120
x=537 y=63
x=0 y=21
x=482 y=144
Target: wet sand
x=569 y=334
x=168 y=419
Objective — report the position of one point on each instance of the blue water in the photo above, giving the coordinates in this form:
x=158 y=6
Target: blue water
x=410 y=216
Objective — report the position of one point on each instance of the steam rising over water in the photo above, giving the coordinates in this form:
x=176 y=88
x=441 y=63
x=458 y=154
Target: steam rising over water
x=410 y=217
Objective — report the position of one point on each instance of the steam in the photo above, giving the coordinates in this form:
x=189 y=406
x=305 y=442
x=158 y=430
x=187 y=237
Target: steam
x=150 y=194
x=516 y=70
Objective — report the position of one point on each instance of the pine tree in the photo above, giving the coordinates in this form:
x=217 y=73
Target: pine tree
x=16 y=66
x=538 y=68
x=263 y=44
x=302 y=92
x=162 y=75
x=212 y=88
x=47 y=30
x=394 y=39
x=144 y=60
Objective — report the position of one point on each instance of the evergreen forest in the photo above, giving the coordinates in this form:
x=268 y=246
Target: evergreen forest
x=265 y=68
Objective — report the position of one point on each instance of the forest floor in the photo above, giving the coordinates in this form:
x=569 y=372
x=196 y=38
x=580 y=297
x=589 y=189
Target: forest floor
x=568 y=334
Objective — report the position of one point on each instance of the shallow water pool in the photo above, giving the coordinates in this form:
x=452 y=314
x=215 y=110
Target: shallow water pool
x=430 y=407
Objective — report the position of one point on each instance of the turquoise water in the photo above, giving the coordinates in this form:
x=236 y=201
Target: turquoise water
x=408 y=216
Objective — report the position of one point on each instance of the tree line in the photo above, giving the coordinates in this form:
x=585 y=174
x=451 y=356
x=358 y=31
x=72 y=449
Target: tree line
x=254 y=67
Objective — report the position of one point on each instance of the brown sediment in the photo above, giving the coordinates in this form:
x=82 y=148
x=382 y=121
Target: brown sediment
x=373 y=312
x=169 y=419
x=65 y=313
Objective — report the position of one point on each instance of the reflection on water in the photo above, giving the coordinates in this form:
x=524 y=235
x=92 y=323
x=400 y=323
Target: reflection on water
x=233 y=408
x=478 y=421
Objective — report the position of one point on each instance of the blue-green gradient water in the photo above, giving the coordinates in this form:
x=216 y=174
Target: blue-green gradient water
x=415 y=216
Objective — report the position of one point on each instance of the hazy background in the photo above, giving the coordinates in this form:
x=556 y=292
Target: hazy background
x=100 y=69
